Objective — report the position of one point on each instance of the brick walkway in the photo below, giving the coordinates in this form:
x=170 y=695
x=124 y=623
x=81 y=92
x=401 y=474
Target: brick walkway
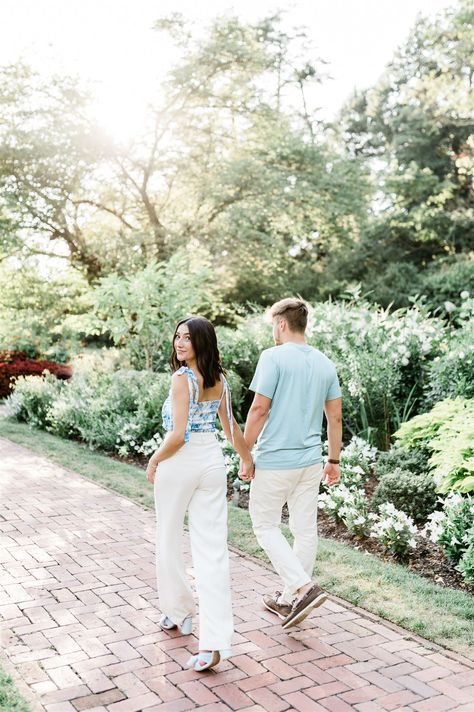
x=79 y=621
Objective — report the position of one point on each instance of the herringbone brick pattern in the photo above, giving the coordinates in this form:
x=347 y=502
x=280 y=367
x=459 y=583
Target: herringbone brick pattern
x=78 y=611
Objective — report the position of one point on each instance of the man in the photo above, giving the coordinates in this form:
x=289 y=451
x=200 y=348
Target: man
x=293 y=384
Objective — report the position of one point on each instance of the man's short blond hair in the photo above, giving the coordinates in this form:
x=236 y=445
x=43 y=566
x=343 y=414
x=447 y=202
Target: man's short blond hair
x=293 y=311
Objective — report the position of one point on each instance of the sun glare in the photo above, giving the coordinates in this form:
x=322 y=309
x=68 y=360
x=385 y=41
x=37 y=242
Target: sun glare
x=120 y=111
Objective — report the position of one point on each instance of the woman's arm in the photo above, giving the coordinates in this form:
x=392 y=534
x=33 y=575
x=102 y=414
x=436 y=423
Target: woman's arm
x=175 y=438
x=237 y=441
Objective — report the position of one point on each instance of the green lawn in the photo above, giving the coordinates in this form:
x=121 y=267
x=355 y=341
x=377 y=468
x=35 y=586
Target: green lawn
x=10 y=699
x=445 y=616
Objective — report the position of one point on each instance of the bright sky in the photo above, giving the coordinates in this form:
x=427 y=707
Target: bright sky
x=111 y=42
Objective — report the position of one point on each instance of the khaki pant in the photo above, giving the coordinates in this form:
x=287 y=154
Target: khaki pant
x=194 y=480
x=299 y=488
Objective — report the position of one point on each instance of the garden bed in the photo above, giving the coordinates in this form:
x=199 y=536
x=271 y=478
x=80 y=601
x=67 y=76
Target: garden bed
x=427 y=559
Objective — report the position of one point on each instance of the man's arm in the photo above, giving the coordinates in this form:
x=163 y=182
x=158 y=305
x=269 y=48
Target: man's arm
x=256 y=418
x=333 y=411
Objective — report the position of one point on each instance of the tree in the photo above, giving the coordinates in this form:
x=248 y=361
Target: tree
x=42 y=314
x=139 y=312
x=232 y=158
x=47 y=149
x=416 y=128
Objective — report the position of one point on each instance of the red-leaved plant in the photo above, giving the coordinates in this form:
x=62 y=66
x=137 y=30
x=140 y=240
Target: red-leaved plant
x=17 y=363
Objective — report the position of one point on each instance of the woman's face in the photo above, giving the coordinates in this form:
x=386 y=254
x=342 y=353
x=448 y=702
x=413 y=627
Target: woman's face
x=182 y=344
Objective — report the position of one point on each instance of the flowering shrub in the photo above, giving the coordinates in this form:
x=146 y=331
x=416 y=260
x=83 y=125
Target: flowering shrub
x=450 y=526
x=356 y=461
x=451 y=372
x=354 y=513
x=359 y=452
x=32 y=398
x=119 y=411
x=14 y=364
x=466 y=564
x=394 y=530
x=347 y=502
x=382 y=359
x=129 y=441
x=334 y=499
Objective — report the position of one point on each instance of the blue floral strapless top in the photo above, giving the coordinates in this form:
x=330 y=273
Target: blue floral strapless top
x=202 y=414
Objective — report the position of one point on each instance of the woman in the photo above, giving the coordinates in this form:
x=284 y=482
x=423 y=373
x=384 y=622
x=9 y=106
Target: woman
x=189 y=475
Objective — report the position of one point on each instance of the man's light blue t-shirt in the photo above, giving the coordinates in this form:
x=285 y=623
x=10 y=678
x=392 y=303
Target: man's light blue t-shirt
x=299 y=379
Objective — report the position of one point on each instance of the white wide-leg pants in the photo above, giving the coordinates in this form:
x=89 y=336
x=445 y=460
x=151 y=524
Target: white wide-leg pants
x=194 y=480
x=299 y=488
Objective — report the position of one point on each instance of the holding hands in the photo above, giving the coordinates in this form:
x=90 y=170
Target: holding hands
x=247 y=470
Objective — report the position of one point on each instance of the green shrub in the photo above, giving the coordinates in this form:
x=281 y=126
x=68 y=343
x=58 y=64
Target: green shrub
x=394 y=283
x=414 y=494
x=447 y=432
x=443 y=283
x=115 y=411
x=32 y=397
x=139 y=311
x=240 y=348
x=414 y=461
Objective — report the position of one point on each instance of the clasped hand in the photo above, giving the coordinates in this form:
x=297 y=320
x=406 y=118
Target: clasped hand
x=246 y=470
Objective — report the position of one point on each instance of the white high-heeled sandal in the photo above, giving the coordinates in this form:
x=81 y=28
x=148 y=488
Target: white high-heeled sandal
x=204 y=661
x=185 y=628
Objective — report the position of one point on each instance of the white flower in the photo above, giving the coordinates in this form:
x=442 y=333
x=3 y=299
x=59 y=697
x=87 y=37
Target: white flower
x=449 y=307
x=412 y=543
x=464 y=294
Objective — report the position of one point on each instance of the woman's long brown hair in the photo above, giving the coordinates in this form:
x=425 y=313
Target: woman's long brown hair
x=204 y=343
